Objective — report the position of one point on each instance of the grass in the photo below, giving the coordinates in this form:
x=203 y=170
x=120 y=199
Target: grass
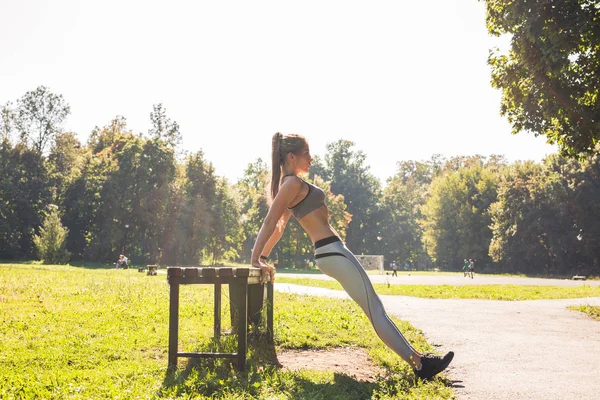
x=486 y=292
x=593 y=311
x=80 y=333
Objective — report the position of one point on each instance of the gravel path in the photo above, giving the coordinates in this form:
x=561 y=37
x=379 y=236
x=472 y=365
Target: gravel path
x=505 y=350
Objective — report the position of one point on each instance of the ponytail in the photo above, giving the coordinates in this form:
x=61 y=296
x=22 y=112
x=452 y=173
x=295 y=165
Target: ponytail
x=276 y=165
x=282 y=145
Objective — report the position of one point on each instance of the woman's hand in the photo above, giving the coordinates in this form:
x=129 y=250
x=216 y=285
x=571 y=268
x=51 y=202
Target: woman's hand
x=265 y=270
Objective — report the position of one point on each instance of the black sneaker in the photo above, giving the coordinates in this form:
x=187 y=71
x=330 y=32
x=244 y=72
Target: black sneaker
x=431 y=365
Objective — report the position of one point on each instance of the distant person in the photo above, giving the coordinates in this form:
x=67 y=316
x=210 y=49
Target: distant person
x=465 y=267
x=394 y=269
x=122 y=262
x=471 y=267
x=293 y=196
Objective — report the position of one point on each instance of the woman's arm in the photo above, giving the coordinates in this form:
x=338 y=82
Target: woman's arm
x=277 y=234
x=286 y=195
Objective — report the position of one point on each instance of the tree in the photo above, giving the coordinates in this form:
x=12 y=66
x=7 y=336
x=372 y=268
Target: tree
x=162 y=126
x=102 y=138
x=349 y=175
x=9 y=234
x=103 y=209
x=7 y=121
x=50 y=243
x=532 y=224
x=456 y=216
x=152 y=185
x=64 y=164
x=39 y=116
x=24 y=193
x=585 y=183
x=173 y=233
x=225 y=228
x=200 y=189
x=549 y=78
x=252 y=193
x=420 y=173
x=401 y=203
x=93 y=208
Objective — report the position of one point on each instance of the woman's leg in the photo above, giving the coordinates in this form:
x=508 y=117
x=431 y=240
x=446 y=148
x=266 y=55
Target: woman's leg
x=338 y=262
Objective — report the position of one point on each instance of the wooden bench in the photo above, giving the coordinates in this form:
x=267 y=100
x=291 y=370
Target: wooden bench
x=239 y=280
x=152 y=270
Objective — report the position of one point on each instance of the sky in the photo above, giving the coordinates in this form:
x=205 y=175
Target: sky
x=402 y=80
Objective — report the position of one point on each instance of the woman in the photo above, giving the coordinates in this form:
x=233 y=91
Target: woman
x=292 y=195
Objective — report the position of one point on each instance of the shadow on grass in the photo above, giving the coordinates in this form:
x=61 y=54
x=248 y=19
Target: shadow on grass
x=218 y=378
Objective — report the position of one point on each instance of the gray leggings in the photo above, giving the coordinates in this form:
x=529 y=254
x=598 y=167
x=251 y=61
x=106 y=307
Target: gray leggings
x=335 y=260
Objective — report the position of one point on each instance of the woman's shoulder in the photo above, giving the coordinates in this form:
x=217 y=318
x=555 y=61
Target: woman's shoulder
x=291 y=178
x=291 y=182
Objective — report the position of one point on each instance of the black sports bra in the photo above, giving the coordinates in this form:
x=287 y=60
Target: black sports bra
x=314 y=199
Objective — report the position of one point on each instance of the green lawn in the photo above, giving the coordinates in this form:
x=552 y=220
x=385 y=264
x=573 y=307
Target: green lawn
x=487 y=292
x=77 y=333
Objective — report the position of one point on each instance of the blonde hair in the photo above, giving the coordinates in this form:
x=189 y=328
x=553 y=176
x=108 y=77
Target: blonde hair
x=282 y=145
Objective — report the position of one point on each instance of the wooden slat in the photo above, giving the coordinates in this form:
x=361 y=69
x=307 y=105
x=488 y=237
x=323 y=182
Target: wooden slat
x=225 y=272
x=190 y=272
x=254 y=271
x=174 y=271
x=209 y=272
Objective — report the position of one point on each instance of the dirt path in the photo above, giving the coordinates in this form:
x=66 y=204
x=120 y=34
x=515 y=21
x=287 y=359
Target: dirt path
x=505 y=350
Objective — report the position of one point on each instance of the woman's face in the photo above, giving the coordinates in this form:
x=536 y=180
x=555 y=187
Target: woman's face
x=303 y=159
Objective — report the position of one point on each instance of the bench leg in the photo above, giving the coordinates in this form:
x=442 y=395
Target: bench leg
x=217 y=316
x=173 y=324
x=242 y=325
x=270 y=310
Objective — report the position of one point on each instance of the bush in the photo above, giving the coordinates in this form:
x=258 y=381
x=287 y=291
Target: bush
x=50 y=243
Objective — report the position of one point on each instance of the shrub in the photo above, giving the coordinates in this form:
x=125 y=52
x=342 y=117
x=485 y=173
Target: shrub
x=50 y=243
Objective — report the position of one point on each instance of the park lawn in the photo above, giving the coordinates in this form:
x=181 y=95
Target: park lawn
x=593 y=311
x=485 y=292
x=76 y=333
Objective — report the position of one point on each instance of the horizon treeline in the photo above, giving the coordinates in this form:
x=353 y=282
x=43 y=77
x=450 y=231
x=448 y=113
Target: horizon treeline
x=133 y=194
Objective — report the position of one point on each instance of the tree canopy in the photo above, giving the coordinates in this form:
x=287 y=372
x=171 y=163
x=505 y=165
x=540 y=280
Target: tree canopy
x=549 y=78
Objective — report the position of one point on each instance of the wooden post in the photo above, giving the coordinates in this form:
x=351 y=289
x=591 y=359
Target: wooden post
x=217 y=321
x=174 y=277
x=270 y=310
x=242 y=324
